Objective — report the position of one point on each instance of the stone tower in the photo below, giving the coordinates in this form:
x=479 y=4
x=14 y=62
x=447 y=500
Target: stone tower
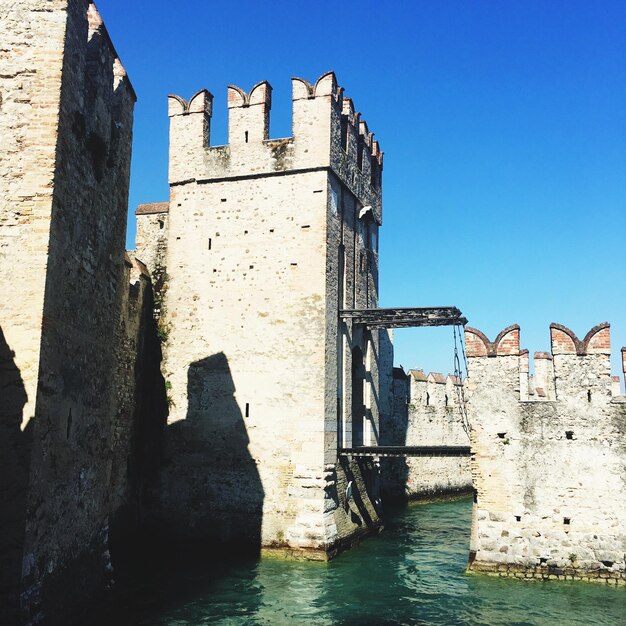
x=267 y=241
x=66 y=109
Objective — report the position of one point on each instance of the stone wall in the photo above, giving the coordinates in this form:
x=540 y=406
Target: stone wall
x=267 y=239
x=66 y=124
x=152 y=231
x=549 y=468
x=141 y=409
x=425 y=412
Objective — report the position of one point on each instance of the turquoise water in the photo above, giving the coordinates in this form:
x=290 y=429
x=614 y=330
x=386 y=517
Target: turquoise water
x=413 y=573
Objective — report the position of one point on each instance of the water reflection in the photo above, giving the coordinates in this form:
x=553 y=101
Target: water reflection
x=412 y=574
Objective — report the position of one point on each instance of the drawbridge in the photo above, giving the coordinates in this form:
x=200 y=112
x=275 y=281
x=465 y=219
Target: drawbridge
x=411 y=318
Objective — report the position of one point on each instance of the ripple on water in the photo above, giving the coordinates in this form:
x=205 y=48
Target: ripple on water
x=411 y=574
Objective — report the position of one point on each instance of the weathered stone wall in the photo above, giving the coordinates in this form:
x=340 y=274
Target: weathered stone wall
x=152 y=232
x=66 y=122
x=550 y=474
x=141 y=409
x=267 y=240
x=425 y=413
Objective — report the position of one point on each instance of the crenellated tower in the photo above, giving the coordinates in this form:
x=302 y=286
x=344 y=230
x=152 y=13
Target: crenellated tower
x=267 y=240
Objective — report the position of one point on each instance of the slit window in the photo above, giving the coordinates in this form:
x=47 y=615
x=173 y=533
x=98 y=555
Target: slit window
x=247 y=409
x=246 y=136
x=210 y=243
x=359 y=154
x=589 y=395
x=344 y=132
x=375 y=174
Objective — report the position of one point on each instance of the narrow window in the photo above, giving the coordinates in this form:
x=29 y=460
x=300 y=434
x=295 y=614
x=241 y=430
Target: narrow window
x=161 y=224
x=446 y=399
x=209 y=243
x=359 y=154
x=589 y=395
x=375 y=174
x=344 y=132
x=69 y=425
x=247 y=405
x=246 y=136
x=427 y=399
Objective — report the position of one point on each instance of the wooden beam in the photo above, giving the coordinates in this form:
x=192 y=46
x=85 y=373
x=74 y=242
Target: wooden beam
x=405 y=317
x=404 y=451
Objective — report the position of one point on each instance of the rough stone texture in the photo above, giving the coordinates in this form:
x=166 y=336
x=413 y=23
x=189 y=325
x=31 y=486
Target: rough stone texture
x=152 y=231
x=65 y=135
x=266 y=240
x=550 y=475
x=141 y=408
x=425 y=411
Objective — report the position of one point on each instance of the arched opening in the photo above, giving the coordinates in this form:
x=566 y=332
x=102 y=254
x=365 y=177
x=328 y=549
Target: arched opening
x=358 y=409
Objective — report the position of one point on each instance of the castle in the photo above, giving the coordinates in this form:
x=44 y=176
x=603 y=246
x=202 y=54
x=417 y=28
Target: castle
x=267 y=240
x=214 y=383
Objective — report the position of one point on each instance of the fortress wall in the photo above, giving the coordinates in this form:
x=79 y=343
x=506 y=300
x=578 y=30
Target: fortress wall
x=30 y=85
x=67 y=115
x=30 y=90
x=141 y=408
x=264 y=244
x=549 y=473
x=425 y=413
x=151 y=238
x=245 y=423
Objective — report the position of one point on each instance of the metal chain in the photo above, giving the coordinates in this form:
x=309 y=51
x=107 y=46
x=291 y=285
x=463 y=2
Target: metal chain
x=458 y=373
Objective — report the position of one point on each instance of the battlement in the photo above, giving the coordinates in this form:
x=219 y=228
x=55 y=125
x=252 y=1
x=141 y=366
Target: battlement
x=327 y=133
x=433 y=389
x=547 y=456
x=574 y=368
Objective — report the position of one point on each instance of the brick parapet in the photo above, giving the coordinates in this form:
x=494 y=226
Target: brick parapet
x=574 y=368
x=505 y=344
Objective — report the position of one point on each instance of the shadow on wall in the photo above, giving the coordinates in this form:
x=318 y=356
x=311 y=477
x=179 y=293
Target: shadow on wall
x=210 y=488
x=393 y=428
x=146 y=435
x=14 y=476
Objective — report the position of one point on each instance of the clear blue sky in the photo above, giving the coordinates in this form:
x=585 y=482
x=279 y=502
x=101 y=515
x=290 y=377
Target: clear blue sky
x=503 y=126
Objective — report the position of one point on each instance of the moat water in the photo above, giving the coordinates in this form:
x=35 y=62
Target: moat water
x=413 y=573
